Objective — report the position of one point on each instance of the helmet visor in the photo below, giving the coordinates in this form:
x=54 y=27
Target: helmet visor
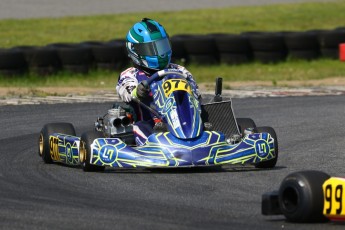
x=155 y=48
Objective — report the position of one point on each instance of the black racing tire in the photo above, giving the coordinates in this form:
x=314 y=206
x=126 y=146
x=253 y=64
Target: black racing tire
x=234 y=58
x=272 y=162
x=340 y=28
x=232 y=43
x=121 y=51
x=12 y=72
x=39 y=56
x=89 y=44
x=200 y=45
x=109 y=66
x=244 y=123
x=332 y=39
x=203 y=59
x=179 y=53
x=44 y=71
x=85 y=151
x=108 y=52
x=73 y=54
x=330 y=53
x=302 y=41
x=47 y=130
x=13 y=60
x=301 y=196
x=113 y=55
x=269 y=57
x=304 y=54
x=79 y=69
x=267 y=42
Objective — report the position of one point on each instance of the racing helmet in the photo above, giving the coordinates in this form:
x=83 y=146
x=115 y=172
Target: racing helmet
x=148 y=45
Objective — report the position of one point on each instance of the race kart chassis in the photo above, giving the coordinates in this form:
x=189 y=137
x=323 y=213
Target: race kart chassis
x=217 y=137
x=165 y=150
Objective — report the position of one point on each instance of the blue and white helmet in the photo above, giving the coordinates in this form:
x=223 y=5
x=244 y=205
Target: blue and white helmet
x=148 y=45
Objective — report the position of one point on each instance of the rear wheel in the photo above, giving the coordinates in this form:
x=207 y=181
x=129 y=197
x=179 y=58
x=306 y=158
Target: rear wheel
x=47 y=130
x=244 y=123
x=272 y=162
x=85 y=151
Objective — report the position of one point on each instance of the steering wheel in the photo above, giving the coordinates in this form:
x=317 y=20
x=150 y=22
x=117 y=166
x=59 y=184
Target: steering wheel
x=156 y=77
x=162 y=73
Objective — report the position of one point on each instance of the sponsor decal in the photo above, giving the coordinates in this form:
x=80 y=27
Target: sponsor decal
x=69 y=152
x=262 y=148
x=108 y=154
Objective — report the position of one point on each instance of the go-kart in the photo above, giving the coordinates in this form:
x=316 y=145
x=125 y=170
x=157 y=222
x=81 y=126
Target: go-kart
x=307 y=197
x=196 y=135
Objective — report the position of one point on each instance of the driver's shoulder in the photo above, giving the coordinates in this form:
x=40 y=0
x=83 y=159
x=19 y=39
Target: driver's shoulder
x=177 y=66
x=130 y=72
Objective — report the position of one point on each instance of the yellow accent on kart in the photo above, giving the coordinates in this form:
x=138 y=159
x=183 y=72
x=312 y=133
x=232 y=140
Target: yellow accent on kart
x=54 y=148
x=172 y=85
x=82 y=152
x=334 y=198
x=41 y=144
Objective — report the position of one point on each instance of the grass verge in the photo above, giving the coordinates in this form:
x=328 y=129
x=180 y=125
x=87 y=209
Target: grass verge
x=277 y=17
x=281 y=72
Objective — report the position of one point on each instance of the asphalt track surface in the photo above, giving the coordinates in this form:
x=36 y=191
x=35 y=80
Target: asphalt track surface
x=53 y=8
x=35 y=195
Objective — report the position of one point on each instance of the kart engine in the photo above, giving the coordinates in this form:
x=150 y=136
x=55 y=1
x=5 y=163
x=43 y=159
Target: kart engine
x=116 y=121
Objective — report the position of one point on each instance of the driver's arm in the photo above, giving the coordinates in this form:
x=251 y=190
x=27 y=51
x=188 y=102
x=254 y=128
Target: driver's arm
x=126 y=84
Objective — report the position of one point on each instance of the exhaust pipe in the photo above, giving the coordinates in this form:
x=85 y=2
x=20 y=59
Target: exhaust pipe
x=121 y=121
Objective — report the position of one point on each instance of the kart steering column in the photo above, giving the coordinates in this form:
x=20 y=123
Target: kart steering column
x=155 y=77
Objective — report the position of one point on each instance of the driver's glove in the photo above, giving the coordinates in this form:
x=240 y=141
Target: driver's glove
x=141 y=91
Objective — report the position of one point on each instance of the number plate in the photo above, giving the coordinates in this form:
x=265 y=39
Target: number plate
x=334 y=198
x=172 y=85
x=54 y=148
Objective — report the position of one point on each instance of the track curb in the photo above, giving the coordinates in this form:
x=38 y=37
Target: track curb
x=110 y=96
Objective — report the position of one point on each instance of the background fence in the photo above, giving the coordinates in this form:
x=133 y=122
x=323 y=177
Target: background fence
x=232 y=49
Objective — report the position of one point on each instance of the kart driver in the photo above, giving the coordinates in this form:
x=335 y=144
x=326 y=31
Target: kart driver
x=149 y=48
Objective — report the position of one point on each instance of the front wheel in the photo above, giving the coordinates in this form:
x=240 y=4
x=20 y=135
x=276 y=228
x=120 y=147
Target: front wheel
x=47 y=130
x=301 y=196
x=85 y=151
x=272 y=162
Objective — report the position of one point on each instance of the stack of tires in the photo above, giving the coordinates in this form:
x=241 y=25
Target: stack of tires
x=41 y=60
x=12 y=62
x=201 y=49
x=267 y=47
x=209 y=49
x=303 y=45
x=179 y=52
x=233 y=48
x=109 y=55
x=71 y=57
x=75 y=58
x=329 y=42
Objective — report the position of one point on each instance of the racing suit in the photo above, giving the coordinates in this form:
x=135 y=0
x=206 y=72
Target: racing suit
x=128 y=80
